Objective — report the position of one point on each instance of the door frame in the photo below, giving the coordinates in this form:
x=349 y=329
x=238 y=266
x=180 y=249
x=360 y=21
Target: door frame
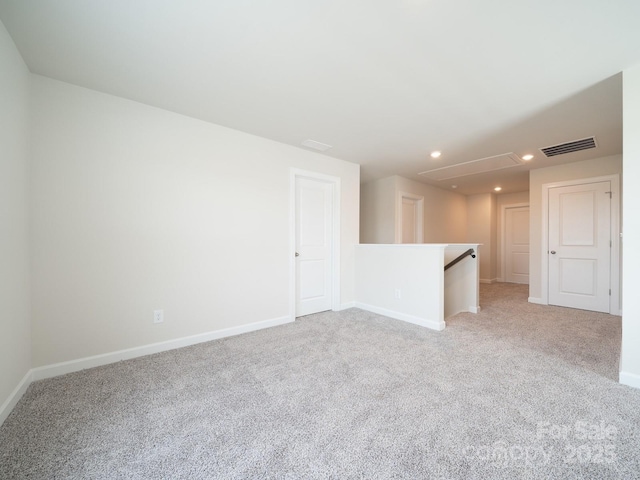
x=419 y=202
x=503 y=238
x=334 y=182
x=615 y=303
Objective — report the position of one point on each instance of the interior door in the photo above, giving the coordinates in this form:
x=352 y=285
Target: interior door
x=314 y=207
x=579 y=249
x=409 y=220
x=517 y=245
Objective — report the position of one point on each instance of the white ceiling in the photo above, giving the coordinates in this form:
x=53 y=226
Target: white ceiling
x=383 y=81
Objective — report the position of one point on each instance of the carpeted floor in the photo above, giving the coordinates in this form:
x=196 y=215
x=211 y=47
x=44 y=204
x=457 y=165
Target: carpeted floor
x=517 y=391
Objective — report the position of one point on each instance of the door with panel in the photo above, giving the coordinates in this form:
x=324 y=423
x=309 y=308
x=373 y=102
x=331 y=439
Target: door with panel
x=313 y=224
x=579 y=248
x=516 y=249
x=409 y=220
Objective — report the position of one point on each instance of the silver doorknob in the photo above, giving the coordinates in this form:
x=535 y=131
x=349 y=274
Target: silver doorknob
x=297 y=254
x=553 y=252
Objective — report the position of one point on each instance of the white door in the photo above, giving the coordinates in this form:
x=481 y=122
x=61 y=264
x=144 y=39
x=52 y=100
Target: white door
x=409 y=220
x=314 y=207
x=517 y=245
x=579 y=250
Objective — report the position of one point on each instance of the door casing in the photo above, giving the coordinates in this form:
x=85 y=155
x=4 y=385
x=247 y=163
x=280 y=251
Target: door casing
x=418 y=202
x=503 y=235
x=296 y=173
x=615 y=303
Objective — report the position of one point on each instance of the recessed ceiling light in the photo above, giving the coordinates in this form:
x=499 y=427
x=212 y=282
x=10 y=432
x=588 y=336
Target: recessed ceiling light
x=454 y=186
x=497 y=189
x=528 y=156
x=435 y=154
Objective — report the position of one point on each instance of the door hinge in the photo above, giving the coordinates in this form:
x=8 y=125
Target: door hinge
x=610 y=194
x=609 y=292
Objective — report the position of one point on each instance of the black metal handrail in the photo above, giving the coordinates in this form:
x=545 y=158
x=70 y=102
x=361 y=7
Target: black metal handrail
x=459 y=258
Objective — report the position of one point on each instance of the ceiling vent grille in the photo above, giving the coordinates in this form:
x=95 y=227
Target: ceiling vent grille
x=570 y=147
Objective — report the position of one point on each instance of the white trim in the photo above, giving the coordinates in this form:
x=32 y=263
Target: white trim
x=630 y=379
x=537 y=301
x=503 y=237
x=63 y=368
x=419 y=199
x=488 y=280
x=335 y=235
x=15 y=396
x=414 y=245
x=464 y=310
x=71 y=366
x=614 y=272
x=345 y=306
x=423 y=322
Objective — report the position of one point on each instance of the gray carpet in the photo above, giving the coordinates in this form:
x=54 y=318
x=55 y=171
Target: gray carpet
x=517 y=391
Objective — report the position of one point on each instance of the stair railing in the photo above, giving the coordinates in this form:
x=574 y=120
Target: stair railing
x=459 y=258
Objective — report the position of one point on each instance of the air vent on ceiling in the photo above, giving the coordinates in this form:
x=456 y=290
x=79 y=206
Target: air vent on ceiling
x=323 y=147
x=488 y=164
x=569 y=147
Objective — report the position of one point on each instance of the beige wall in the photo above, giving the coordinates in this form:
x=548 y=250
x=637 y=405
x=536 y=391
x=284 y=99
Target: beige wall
x=505 y=200
x=481 y=228
x=15 y=343
x=537 y=178
x=136 y=208
x=377 y=211
x=630 y=358
x=445 y=212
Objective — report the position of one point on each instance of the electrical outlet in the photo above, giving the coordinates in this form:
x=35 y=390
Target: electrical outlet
x=158 y=316
x=398 y=294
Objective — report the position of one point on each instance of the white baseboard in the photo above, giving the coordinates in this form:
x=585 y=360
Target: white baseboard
x=630 y=379
x=536 y=300
x=489 y=280
x=15 y=396
x=345 y=306
x=62 y=368
x=468 y=310
x=423 y=322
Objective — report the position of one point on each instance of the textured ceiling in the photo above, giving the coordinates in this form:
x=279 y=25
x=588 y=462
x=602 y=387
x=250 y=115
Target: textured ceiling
x=384 y=82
